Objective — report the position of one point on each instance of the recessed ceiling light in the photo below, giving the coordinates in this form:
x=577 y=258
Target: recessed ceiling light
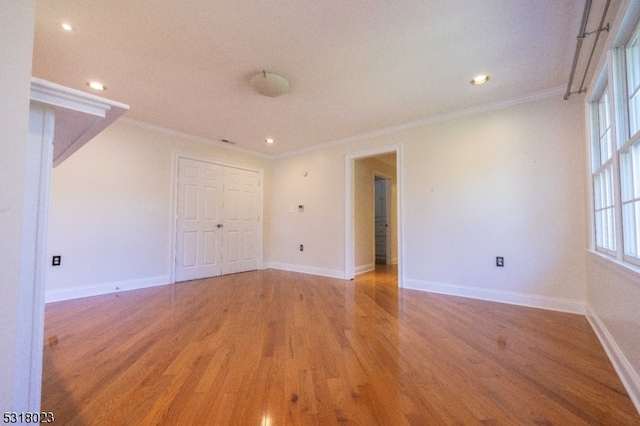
x=96 y=86
x=269 y=140
x=67 y=26
x=481 y=79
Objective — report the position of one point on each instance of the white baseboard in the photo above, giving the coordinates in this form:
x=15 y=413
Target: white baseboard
x=365 y=268
x=512 y=298
x=628 y=375
x=105 y=288
x=266 y=265
x=332 y=273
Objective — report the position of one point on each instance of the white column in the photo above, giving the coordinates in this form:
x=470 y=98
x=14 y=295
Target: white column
x=30 y=327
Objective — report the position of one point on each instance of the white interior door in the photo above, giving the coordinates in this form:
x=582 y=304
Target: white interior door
x=240 y=232
x=217 y=220
x=199 y=219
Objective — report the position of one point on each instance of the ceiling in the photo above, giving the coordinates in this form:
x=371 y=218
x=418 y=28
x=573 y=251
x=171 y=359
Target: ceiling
x=355 y=66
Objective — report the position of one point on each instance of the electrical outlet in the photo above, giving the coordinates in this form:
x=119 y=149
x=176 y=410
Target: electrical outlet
x=301 y=247
x=500 y=261
x=56 y=260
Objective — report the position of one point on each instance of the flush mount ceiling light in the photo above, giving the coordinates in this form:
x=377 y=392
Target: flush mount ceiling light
x=270 y=84
x=269 y=140
x=67 y=26
x=96 y=86
x=481 y=79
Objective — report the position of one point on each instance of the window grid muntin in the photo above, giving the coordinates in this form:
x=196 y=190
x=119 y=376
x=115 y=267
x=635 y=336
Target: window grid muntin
x=604 y=129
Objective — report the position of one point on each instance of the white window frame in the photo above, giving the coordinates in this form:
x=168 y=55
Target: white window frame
x=614 y=80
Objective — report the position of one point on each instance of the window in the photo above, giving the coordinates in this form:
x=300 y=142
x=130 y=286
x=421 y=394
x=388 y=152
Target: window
x=630 y=156
x=615 y=154
x=602 y=167
x=629 y=167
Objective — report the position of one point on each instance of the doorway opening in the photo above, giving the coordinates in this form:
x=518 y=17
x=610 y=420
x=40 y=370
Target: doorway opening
x=373 y=212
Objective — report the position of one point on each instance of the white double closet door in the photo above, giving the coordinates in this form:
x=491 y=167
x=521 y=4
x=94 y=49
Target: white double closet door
x=217 y=228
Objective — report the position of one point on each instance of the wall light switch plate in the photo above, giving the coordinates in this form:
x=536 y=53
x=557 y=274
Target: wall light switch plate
x=500 y=261
x=56 y=260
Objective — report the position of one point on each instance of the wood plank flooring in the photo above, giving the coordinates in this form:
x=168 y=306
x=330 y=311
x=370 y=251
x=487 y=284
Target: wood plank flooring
x=273 y=347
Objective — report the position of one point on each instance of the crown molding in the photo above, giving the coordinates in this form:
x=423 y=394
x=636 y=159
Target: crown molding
x=190 y=137
x=557 y=91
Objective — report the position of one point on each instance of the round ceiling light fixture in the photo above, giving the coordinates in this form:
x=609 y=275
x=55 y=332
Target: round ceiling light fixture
x=481 y=79
x=270 y=84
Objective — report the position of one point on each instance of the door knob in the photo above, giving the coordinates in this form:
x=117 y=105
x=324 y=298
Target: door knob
x=219 y=225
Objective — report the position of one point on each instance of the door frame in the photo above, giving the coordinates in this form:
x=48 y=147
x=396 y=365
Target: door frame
x=176 y=155
x=350 y=208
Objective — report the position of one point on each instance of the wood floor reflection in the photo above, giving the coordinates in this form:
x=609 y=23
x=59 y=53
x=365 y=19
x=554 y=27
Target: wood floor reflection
x=273 y=347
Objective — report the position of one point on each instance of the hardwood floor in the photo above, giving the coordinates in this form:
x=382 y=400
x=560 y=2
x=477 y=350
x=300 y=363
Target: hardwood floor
x=273 y=347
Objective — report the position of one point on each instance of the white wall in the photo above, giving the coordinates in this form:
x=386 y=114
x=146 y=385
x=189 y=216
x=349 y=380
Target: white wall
x=509 y=182
x=504 y=183
x=16 y=44
x=111 y=210
x=320 y=228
